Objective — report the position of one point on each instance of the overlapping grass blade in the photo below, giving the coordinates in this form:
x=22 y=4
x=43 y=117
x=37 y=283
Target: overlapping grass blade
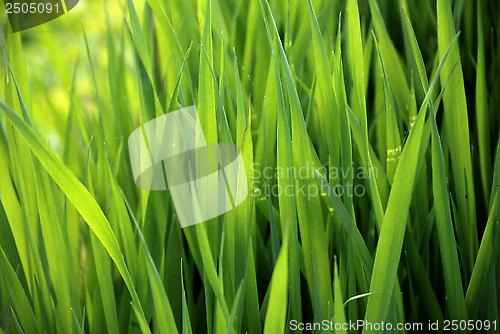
x=457 y=131
x=310 y=217
x=278 y=294
x=446 y=235
x=77 y=194
x=340 y=317
x=483 y=265
x=396 y=75
x=19 y=298
x=352 y=231
x=329 y=113
x=288 y=206
x=393 y=229
x=163 y=310
x=356 y=66
x=393 y=140
x=56 y=249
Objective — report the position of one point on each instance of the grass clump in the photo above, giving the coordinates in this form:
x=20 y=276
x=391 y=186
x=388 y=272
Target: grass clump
x=370 y=141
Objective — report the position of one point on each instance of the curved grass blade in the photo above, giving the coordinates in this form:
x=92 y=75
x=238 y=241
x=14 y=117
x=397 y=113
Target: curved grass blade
x=284 y=159
x=78 y=195
x=355 y=47
x=310 y=217
x=352 y=231
x=19 y=298
x=393 y=140
x=328 y=110
x=396 y=75
x=186 y=322
x=173 y=104
x=446 y=235
x=393 y=229
x=55 y=247
x=166 y=321
x=278 y=295
x=483 y=264
x=340 y=316
x=457 y=131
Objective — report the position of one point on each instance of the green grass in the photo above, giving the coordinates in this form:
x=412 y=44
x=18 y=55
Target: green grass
x=406 y=91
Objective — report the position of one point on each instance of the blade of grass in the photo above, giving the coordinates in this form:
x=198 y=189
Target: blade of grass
x=186 y=322
x=55 y=247
x=77 y=194
x=278 y=295
x=457 y=131
x=483 y=264
x=393 y=140
x=482 y=118
x=308 y=206
x=355 y=47
x=446 y=235
x=340 y=317
x=328 y=110
x=352 y=231
x=287 y=203
x=19 y=298
x=390 y=242
x=447 y=243
x=208 y=116
x=396 y=75
x=244 y=213
x=166 y=322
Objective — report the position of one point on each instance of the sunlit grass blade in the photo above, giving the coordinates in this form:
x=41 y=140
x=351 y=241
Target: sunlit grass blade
x=309 y=213
x=209 y=268
x=340 y=317
x=390 y=242
x=56 y=248
x=244 y=213
x=446 y=235
x=396 y=75
x=449 y=255
x=393 y=140
x=104 y=277
x=163 y=310
x=288 y=206
x=355 y=46
x=328 y=110
x=278 y=295
x=207 y=114
x=340 y=93
x=457 y=131
x=174 y=104
x=77 y=194
x=482 y=267
x=186 y=322
x=391 y=237
x=352 y=231
x=20 y=300
x=206 y=90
